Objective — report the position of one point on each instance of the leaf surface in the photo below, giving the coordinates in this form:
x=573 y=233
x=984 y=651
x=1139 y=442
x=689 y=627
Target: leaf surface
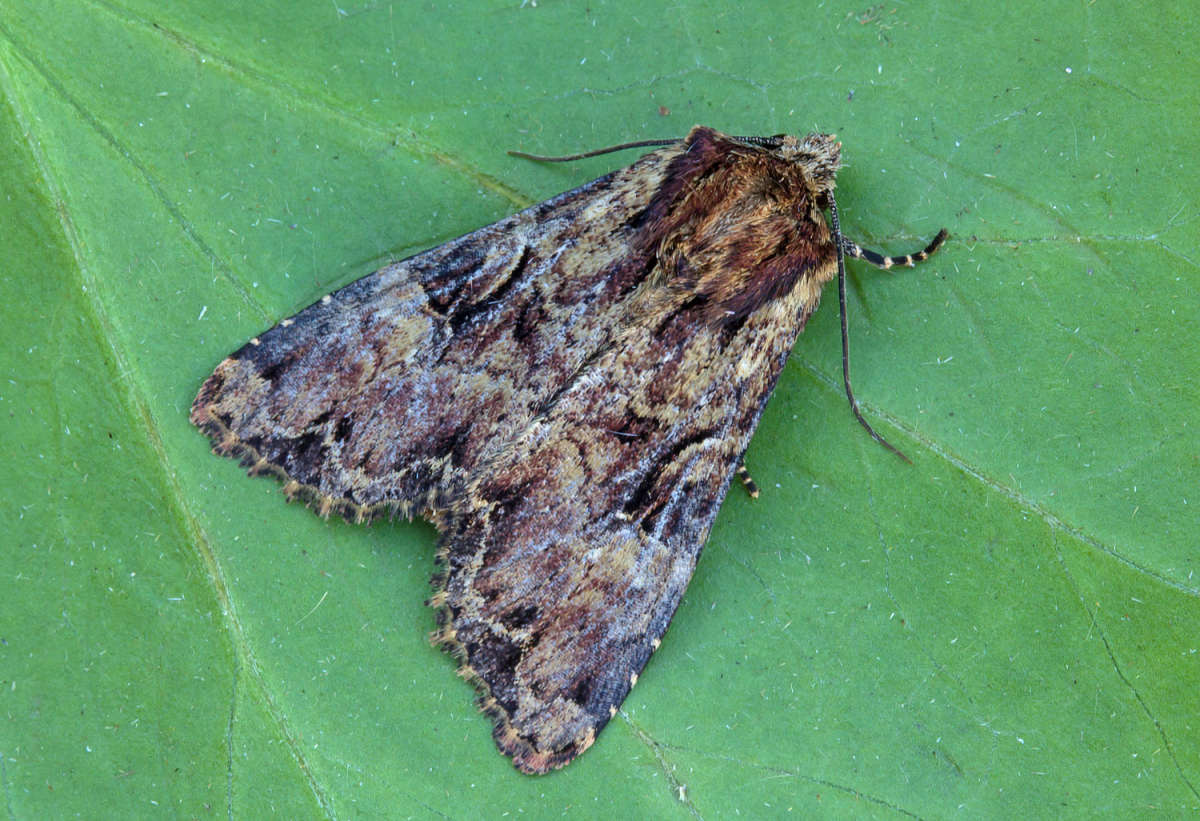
x=1009 y=626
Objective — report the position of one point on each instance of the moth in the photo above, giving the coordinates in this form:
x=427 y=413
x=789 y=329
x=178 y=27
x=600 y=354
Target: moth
x=566 y=394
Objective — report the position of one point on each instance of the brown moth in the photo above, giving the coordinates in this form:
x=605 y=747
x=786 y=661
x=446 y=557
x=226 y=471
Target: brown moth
x=566 y=395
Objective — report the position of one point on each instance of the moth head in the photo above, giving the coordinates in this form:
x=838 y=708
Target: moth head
x=819 y=155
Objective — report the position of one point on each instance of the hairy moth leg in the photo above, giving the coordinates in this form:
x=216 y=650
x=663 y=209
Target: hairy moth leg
x=856 y=251
x=747 y=480
x=846 y=247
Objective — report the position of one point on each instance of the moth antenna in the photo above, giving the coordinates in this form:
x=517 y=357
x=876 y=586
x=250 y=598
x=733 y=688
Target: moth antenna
x=839 y=243
x=596 y=153
x=773 y=141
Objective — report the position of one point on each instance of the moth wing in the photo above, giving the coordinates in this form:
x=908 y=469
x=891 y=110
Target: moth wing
x=553 y=596
x=376 y=397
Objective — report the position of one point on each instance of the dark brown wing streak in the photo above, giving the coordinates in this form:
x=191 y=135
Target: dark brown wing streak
x=566 y=563
x=376 y=398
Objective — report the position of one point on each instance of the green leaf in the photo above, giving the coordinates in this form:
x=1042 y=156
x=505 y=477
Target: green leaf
x=1007 y=627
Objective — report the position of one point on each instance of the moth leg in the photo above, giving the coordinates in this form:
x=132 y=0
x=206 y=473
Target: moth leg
x=853 y=249
x=747 y=481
